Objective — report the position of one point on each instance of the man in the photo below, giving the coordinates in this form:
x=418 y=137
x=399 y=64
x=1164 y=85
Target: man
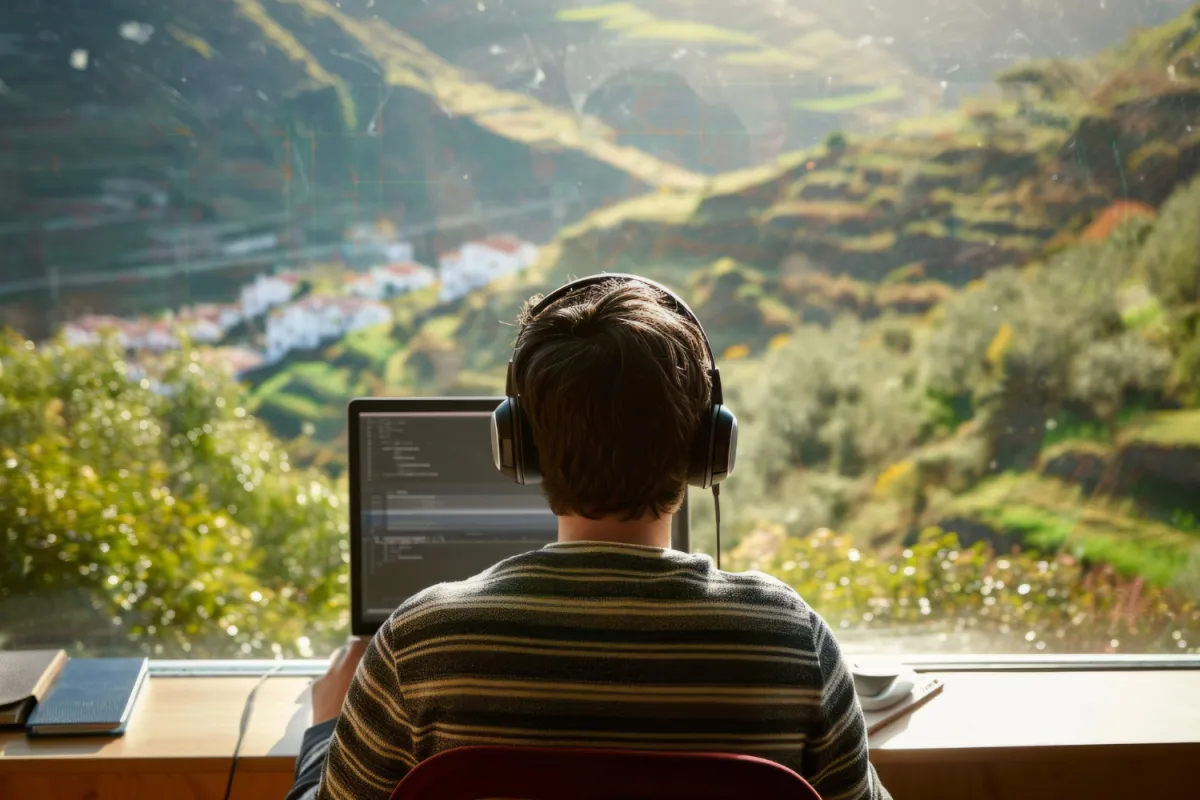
x=606 y=638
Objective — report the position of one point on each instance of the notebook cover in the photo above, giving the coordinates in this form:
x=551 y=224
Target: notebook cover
x=25 y=675
x=922 y=693
x=92 y=696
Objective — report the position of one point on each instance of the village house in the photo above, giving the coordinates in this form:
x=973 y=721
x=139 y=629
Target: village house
x=266 y=292
x=209 y=323
x=476 y=264
x=88 y=329
x=237 y=361
x=158 y=336
x=392 y=280
x=313 y=321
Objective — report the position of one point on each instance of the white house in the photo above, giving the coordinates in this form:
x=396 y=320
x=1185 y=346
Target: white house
x=158 y=336
x=313 y=321
x=394 y=279
x=210 y=322
x=477 y=264
x=202 y=330
x=266 y=292
x=524 y=252
x=88 y=329
x=405 y=276
x=235 y=360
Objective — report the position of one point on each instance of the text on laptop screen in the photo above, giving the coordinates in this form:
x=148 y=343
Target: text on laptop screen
x=434 y=508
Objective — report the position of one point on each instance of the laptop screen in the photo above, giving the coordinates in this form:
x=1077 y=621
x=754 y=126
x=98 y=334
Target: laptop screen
x=428 y=504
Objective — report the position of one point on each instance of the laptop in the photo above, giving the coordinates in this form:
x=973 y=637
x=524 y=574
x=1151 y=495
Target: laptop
x=427 y=504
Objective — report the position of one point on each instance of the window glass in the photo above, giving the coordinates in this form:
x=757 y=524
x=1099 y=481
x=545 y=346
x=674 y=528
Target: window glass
x=947 y=252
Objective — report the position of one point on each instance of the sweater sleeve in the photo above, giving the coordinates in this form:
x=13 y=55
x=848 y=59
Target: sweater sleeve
x=836 y=761
x=372 y=746
x=367 y=750
x=313 y=750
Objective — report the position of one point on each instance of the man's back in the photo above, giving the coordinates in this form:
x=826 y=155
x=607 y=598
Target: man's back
x=604 y=645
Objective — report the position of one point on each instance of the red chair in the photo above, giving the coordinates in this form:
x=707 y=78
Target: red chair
x=554 y=773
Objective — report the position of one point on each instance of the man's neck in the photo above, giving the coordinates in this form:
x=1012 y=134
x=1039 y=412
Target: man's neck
x=645 y=531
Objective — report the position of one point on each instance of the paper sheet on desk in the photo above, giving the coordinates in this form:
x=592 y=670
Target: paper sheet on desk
x=922 y=693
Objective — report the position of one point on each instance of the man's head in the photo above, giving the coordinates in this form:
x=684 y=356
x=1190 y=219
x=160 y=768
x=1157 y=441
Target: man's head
x=614 y=383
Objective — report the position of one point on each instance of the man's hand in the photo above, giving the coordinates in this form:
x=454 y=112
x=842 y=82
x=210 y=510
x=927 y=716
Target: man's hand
x=329 y=691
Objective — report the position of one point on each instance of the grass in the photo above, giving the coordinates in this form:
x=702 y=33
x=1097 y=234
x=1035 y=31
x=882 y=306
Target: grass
x=1096 y=447
x=768 y=59
x=373 y=345
x=1164 y=429
x=634 y=23
x=300 y=408
x=1069 y=429
x=1050 y=515
x=832 y=211
x=441 y=328
x=821 y=52
x=849 y=102
x=664 y=207
x=322 y=380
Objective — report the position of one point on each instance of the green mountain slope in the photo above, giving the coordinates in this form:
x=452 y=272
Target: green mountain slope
x=916 y=326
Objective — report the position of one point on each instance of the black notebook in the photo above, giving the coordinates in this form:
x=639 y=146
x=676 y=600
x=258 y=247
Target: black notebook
x=25 y=677
x=92 y=697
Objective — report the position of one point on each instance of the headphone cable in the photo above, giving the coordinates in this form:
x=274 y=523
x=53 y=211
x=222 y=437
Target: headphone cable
x=247 y=707
x=717 y=512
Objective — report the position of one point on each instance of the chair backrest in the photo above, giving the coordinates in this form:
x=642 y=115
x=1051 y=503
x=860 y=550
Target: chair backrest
x=561 y=773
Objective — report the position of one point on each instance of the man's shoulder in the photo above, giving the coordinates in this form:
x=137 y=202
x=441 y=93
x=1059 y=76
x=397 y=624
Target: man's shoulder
x=764 y=589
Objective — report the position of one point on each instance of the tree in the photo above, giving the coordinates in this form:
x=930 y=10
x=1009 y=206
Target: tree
x=156 y=514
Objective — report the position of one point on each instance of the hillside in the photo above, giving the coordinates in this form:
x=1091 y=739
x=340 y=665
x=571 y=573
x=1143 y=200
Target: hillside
x=295 y=116
x=984 y=321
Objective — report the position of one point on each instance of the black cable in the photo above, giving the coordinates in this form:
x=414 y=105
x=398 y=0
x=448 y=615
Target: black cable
x=247 y=707
x=717 y=511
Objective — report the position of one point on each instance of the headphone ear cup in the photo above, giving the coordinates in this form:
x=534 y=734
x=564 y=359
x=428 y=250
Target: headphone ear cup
x=715 y=449
x=724 y=445
x=699 y=468
x=529 y=465
x=504 y=446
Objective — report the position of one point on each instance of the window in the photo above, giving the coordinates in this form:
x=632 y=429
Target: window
x=948 y=257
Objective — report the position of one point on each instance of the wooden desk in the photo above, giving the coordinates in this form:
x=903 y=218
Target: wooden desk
x=992 y=736
x=178 y=745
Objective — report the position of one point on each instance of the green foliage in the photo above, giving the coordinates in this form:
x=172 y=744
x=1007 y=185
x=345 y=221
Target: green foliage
x=828 y=398
x=1171 y=257
x=973 y=600
x=1106 y=370
x=163 y=516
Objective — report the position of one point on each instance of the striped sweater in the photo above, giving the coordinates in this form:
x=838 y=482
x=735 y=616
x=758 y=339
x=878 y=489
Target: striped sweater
x=593 y=644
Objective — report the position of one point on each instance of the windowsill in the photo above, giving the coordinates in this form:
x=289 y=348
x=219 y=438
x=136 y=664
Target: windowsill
x=312 y=667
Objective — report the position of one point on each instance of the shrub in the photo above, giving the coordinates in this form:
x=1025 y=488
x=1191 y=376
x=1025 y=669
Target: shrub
x=156 y=512
x=1171 y=257
x=975 y=600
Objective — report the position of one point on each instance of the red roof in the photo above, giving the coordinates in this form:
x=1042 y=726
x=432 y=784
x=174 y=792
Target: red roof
x=503 y=242
x=406 y=268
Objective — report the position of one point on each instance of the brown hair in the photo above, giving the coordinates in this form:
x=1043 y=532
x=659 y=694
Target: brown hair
x=614 y=383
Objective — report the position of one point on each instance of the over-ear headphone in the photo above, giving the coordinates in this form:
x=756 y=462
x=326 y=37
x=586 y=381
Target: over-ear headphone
x=713 y=450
